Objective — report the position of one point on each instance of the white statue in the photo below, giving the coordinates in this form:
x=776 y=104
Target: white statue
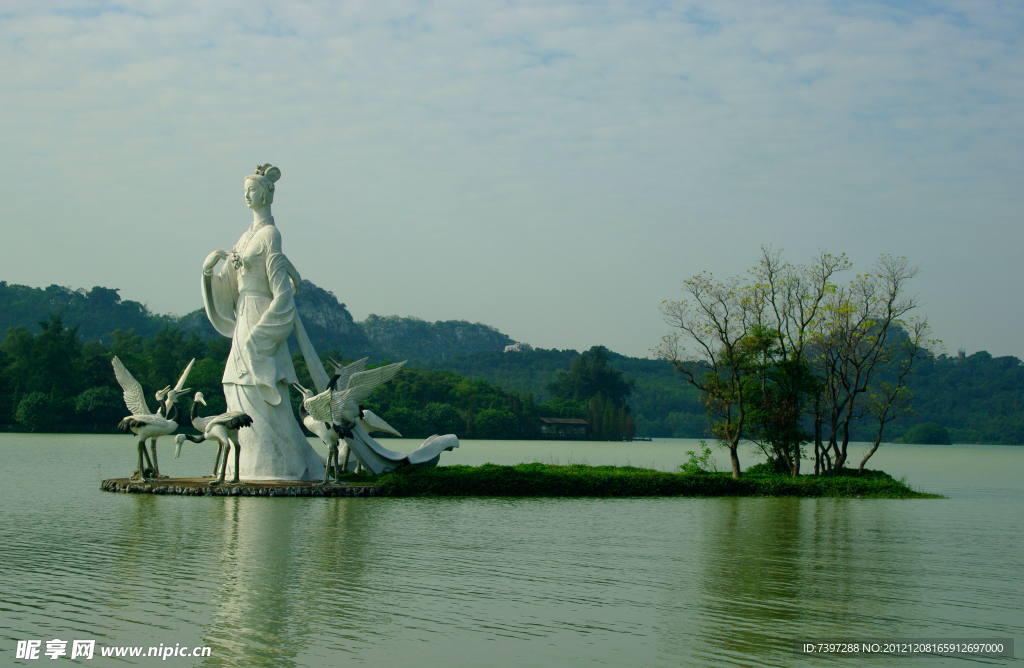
x=251 y=300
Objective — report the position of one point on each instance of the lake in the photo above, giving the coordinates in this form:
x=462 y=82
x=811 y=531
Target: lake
x=521 y=582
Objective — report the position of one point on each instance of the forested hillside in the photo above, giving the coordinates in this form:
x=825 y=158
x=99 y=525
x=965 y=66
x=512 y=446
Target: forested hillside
x=661 y=403
x=59 y=341
x=978 y=399
x=99 y=311
x=96 y=312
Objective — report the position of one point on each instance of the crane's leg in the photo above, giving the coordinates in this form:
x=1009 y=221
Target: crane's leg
x=216 y=462
x=238 y=451
x=344 y=458
x=331 y=457
x=141 y=472
x=144 y=452
x=156 y=464
x=223 y=466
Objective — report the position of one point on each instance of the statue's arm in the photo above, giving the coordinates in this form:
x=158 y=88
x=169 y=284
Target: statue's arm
x=277 y=321
x=220 y=290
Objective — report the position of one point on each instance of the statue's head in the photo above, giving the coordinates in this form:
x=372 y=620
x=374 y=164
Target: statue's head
x=259 y=186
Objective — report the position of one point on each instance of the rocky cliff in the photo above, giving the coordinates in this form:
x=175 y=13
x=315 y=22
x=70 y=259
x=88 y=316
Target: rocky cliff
x=412 y=338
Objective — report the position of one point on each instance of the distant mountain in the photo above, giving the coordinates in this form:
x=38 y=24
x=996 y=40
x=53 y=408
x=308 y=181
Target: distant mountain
x=96 y=312
x=100 y=311
x=412 y=338
x=977 y=398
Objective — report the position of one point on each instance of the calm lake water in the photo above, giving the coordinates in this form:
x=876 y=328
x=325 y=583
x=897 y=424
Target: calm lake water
x=527 y=582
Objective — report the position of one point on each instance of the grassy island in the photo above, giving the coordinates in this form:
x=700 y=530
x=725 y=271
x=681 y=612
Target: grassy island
x=577 y=480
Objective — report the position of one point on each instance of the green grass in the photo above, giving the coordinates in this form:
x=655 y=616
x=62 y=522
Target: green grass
x=576 y=480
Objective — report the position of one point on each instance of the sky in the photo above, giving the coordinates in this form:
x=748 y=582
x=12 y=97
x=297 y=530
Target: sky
x=554 y=170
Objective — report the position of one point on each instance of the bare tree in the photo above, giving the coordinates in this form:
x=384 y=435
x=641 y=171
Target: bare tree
x=717 y=319
x=856 y=339
x=789 y=301
x=891 y=397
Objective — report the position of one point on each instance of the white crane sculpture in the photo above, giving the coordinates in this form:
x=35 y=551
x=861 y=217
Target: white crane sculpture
x=333 y=413
x=330 y=432
x=222 y=428
x=144 y=423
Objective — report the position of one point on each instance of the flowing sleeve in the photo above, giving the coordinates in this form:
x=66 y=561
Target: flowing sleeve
x=220 y=292
x=278 y=320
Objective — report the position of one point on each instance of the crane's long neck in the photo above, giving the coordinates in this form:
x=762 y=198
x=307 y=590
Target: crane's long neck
x=172 y=413
x=194 y=413
x=302 y=410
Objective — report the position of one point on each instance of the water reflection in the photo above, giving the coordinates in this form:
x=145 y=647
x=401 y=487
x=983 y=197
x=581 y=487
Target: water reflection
x=283 y=568
x=461 y=582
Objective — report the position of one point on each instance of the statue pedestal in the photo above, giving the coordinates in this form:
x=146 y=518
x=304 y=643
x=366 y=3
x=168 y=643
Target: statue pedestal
x=202 y=487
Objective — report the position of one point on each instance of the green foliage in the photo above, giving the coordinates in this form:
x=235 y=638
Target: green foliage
x=699 y=464
x=53 y=373
x=495 y=423
x=979 y=399
x=927 y=433
x=35 y=410
x=100 y=406
x=421 y=402
x=98 y=311
x=577 y=480
x=591 y=375
x=412 y=338
x=771 y=467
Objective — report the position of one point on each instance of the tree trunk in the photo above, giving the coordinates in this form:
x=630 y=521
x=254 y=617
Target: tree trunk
x=878 y=439
x=735 y=458
x=817 y=434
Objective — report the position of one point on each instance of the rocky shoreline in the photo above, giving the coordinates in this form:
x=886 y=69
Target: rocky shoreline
x=202 y=487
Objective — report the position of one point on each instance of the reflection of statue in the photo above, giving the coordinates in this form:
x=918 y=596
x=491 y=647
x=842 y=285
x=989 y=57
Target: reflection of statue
x=251 y=300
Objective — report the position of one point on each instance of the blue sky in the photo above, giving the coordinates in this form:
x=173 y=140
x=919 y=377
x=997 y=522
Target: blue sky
x=554 y=170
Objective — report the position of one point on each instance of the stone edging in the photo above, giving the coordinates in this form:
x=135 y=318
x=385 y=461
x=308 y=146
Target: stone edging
x=199 y=487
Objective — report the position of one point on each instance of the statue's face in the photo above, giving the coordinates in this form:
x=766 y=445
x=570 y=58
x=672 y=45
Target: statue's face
x=253 y=195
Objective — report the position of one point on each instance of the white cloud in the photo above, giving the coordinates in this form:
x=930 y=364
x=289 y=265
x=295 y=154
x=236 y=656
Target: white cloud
x=552 y=170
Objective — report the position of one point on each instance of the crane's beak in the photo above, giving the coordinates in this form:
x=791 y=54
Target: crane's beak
x=177 y=446
x=201 y=400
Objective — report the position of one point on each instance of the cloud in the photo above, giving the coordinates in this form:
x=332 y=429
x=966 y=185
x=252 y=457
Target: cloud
x=553 y=170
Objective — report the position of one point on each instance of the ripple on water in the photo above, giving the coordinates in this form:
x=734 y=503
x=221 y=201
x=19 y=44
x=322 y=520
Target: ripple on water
x=660 y=582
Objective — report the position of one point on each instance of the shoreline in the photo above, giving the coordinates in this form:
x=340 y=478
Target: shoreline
x=542 y=480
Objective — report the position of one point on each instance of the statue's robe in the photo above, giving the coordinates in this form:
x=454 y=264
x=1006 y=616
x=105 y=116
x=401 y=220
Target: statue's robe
x=251 y=299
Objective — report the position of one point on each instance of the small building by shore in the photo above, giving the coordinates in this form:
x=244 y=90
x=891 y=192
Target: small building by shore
x=572 y=429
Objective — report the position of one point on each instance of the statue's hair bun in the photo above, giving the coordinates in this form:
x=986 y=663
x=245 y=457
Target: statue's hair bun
x=269 y=171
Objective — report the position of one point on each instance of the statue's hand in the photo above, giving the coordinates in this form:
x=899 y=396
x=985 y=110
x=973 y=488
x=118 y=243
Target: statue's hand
x=212 y=259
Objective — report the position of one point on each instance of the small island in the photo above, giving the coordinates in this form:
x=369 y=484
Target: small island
x=549 y=480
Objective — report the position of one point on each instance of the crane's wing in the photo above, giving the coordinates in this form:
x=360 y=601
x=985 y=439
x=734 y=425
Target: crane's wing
x=342 y=400
x=373 y=422
x=319 y=406
x=363 y=383
x=181 y=381
x=134 y=398
x=231 y=420
x=345 y=372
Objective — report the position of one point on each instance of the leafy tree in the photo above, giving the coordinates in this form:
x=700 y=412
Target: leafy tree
x=494 y=423
x=100 y=406
x=35 y=410
x=444 y=419
x=859 y=336
x=718 y=318
x=589 y=375
x=927 y=433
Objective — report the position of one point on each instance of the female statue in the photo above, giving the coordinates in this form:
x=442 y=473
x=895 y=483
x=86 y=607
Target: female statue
x=251 y=300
